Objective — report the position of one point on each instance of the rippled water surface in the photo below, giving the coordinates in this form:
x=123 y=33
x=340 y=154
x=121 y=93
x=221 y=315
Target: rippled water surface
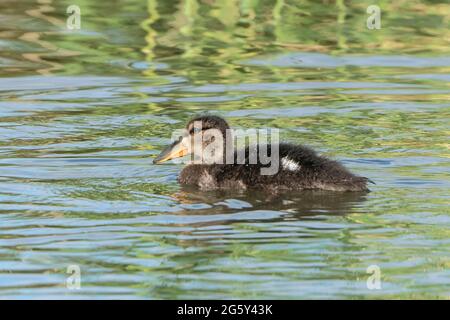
x=82 y=114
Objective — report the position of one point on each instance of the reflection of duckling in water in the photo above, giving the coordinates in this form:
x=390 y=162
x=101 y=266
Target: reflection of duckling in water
x=300 y=168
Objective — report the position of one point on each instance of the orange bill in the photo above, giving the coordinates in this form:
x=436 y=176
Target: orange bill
x=175 y=150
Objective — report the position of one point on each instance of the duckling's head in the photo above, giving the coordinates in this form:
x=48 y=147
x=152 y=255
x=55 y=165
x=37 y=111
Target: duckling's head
x=204 y=138
x=207 y=122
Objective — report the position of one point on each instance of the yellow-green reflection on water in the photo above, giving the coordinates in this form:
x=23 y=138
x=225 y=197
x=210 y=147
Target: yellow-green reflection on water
x=82 y=113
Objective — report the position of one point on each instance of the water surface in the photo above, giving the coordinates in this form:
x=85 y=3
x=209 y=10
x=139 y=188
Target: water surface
x=83 y=112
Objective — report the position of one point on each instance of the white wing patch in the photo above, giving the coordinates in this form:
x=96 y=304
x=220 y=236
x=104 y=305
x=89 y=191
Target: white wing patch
x=289 y=164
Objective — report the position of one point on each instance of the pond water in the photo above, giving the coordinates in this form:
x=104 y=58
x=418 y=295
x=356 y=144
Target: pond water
x=83 y=112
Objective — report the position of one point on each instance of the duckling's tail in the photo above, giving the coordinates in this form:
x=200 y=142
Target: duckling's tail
x=357 y=184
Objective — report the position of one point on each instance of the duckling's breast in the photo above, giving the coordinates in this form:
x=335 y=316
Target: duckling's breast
x=199 y=175
x=210 y=177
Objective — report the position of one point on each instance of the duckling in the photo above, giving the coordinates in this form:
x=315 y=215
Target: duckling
x=216 y=167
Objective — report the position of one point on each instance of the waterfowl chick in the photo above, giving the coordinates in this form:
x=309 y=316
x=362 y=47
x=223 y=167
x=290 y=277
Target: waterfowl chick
x=215 y=167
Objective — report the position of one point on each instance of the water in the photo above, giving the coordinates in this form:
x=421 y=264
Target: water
x=82 y=114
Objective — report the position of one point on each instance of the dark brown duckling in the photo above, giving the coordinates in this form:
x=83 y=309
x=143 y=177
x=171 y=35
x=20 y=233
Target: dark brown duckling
x=215 y=164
